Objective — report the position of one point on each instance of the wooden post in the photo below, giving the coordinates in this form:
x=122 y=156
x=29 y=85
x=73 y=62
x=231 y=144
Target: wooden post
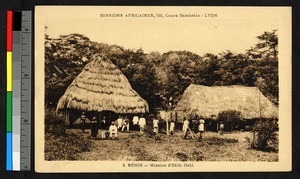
x=67 y=118
x=109 y=117
x=167 y=121
x=100 y=117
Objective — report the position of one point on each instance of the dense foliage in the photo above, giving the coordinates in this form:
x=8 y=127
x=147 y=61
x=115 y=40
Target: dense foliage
x=265 y=135
x=232 y=119
x=161 y=78
x=60 y=144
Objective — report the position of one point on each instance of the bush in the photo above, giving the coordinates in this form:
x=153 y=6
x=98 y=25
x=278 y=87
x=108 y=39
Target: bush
x=265 y=135
x=148 y=130
x=231 y=119
x=60 y=145
x=54 y=123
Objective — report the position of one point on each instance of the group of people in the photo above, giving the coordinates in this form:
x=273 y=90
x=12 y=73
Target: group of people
x=196 y=126
x=107 y=131
x=139 y=123
x=110 y=130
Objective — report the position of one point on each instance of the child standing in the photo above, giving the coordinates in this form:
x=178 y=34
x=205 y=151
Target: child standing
x=172 y=127
x=155 y=126
x=221 y=128
x=113 y=131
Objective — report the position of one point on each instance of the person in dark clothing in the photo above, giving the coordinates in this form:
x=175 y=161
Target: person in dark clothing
x=94 y=129
x=191 y=124
x=103 y=126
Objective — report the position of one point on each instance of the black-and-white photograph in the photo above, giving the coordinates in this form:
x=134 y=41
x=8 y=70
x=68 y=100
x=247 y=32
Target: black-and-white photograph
x=161 y=87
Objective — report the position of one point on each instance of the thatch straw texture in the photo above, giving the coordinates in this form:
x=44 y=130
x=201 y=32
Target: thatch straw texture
x=209 y=101
x=101 y=86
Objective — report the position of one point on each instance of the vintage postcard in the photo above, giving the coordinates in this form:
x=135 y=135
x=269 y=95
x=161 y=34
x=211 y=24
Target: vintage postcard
x=162 y=89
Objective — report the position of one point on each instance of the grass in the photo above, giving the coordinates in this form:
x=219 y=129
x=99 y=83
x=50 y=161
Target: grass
x=133 y=146
x=65 y=147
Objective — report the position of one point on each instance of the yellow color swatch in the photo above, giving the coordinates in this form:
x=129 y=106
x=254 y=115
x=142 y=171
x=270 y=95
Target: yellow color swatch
x=9 y=70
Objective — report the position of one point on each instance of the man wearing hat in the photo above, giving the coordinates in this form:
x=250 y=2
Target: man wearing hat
x=201 y=128
x=103 y=126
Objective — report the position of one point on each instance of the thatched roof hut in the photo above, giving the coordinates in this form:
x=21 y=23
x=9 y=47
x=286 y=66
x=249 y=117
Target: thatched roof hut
x=101 y=86
x=208 y=101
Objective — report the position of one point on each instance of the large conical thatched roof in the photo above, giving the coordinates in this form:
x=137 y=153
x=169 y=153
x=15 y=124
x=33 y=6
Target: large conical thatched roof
x=210 y=101
x=101 y=86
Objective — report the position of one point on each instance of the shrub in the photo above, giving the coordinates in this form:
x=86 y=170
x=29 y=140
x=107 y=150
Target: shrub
x=54 y=123
x=265 y=135
x=148 y=130
x=60 y=145
x=181 y=156
x=231 y=119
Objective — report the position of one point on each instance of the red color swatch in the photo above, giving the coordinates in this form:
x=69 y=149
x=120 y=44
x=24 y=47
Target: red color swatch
x=9 y=30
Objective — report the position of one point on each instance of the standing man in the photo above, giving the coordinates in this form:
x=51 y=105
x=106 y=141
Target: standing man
x=185 y=127
x=120 y=122
x=155 y=126
x=142 y=123
x=103 y=124
x=94 y=129
x=201 y=128
x=135 y=122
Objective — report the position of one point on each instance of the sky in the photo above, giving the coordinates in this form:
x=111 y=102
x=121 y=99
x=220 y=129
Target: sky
x=198 y=35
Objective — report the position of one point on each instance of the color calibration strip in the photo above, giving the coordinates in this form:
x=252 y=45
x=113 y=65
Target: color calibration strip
x=9 y=155
x=18 y=99
x=16 y=91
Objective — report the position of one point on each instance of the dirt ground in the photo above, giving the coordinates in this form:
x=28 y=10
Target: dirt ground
x=132 y=146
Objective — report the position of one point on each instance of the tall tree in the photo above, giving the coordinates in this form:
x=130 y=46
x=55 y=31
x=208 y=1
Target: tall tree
x=268 y=41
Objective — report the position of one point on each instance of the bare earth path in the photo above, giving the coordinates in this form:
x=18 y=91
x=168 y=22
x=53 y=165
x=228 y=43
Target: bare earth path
x=132 y=146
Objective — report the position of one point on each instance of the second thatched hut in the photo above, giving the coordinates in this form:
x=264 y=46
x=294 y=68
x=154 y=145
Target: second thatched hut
x=101 y=89
x=209 y=101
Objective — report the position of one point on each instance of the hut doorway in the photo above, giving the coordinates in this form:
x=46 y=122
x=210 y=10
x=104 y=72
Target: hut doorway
x=110 y=116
